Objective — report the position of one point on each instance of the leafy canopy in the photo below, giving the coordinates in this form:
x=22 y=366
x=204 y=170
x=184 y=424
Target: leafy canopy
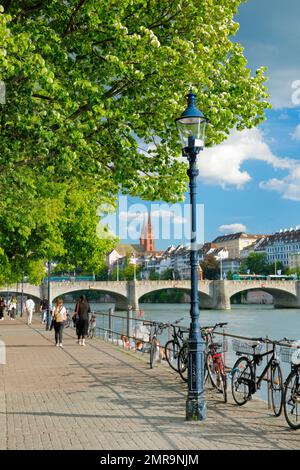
x=92 y=91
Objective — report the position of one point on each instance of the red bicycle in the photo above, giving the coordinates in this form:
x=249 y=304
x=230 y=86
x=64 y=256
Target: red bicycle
x=214 y=365
x=214 y=362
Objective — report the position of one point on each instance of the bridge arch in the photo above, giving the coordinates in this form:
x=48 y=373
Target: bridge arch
x=205 y=300
x=283 y=297
x=119 y=295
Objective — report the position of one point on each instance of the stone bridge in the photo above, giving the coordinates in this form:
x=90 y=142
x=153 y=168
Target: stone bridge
x=212 y=294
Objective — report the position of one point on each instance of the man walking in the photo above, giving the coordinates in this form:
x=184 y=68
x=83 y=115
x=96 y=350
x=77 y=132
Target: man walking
x=30 y=306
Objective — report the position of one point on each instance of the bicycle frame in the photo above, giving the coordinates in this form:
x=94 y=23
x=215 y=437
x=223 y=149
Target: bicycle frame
x=255 y=361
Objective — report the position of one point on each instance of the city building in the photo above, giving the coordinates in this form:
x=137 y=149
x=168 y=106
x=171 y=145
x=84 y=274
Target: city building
x=255 y=247
x=137 y=252
x=294 y=260
x=230 y=265
x=281 y=245
x=235 y=242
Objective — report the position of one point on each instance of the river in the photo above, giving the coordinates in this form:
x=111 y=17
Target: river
x=244 y=320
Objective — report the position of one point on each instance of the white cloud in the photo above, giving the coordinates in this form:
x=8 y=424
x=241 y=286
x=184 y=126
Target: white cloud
x=232 y=228
x=222 y=164
x=296 y=133
x=288 y=187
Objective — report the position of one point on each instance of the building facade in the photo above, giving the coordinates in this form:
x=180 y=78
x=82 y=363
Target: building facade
x=235 y=242
x=294 y=260
x=282 y=245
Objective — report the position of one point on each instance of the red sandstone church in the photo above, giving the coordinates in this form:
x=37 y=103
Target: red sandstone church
x=137 y=252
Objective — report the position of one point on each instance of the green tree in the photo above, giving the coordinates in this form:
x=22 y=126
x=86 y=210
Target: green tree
x=92 y=90
x=153 y=275
x=210 y=267
x=256 y=263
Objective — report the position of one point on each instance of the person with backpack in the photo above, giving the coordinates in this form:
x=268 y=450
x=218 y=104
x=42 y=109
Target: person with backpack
x=59 y=318
x=82 y=309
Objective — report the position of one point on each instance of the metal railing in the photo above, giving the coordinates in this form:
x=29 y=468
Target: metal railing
x=121 y=331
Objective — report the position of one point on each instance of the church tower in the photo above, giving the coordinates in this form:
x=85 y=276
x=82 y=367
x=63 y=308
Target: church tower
x=147 y=238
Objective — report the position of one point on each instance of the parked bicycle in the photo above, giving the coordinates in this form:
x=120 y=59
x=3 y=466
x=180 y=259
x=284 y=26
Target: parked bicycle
x=214 y=366
x=245 y=381
x=214 y=363
x=291 y=396
x=173 y=346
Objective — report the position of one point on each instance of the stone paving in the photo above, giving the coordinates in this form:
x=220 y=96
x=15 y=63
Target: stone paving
x=101 y=397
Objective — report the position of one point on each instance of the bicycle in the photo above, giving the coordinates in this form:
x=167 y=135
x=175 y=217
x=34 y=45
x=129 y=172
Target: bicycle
x=173 y=346
x=214 y=367
x=245 y=382
x=291 y=396
x=155 y=344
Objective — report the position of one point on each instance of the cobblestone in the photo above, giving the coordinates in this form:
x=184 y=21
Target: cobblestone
x=100 y=397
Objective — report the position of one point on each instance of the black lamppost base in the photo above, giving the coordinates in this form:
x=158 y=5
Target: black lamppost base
x=196 y=408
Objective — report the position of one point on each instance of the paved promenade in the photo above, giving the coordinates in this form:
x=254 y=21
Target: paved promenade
x=100 y=397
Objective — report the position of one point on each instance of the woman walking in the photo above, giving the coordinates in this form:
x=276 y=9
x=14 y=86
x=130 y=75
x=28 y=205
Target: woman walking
x=2 y=307
x=59 y=317
x=82 y=310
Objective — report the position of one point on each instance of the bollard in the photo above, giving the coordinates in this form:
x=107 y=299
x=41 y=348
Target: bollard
x=129 y=321
x=110 y=323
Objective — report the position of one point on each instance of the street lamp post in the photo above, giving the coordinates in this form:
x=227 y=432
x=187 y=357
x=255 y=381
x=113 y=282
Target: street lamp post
x=191 y=127
x=49 y=295
x=22 y=295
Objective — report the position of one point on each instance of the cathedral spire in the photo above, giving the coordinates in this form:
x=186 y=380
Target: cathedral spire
x=147 y=238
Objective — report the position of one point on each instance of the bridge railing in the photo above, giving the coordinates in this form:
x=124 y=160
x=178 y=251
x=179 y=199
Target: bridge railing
x=134 y=334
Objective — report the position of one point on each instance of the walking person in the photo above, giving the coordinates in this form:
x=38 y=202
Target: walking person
x=82 y=310
x=30 y=306
x=12 y=308
x=59 y=318
x=44 y=309
x=2 y=307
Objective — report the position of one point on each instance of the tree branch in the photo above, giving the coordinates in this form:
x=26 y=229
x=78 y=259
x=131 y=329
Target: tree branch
x=70 y=22
x=42 y=97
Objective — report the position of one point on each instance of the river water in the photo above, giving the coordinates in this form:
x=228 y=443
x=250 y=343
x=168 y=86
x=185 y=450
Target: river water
x=245 y=320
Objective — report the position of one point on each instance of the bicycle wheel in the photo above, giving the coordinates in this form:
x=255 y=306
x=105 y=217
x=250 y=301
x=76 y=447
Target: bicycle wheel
x=242 y=374
x=183 y=363
x=291 y=400
x=172 y=350
x=276 y=389
x=211 y=371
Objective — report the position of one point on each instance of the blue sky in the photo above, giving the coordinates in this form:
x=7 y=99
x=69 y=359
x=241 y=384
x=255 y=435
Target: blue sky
x=261 y=191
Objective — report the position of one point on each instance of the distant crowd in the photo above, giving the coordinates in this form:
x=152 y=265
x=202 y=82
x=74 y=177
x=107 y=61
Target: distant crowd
x=82 y=319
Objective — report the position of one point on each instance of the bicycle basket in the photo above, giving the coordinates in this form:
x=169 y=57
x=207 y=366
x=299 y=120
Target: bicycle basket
x=246 y=347
x=290 y=354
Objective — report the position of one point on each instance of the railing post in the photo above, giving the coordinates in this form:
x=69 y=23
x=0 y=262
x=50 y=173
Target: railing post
x=110 y=323
x=224 y=348
x=129 y=321
x=268 y=376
